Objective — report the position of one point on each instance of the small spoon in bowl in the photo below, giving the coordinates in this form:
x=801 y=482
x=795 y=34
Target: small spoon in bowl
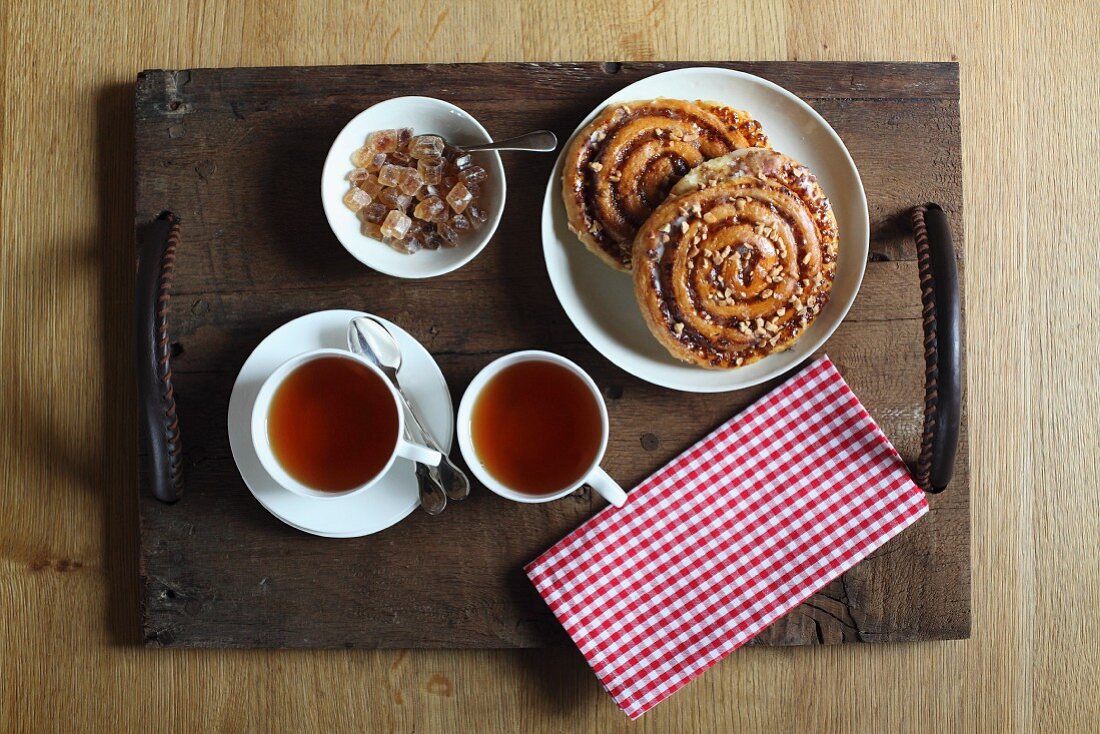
x=539 y=141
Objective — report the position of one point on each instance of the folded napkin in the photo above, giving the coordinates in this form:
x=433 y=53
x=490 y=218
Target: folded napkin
x=728 y=537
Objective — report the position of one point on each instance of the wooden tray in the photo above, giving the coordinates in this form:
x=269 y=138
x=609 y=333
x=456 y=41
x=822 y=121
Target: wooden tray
x=237 y=153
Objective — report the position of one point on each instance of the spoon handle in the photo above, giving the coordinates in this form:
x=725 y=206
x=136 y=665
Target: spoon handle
x=539 y=141
x=453 y=480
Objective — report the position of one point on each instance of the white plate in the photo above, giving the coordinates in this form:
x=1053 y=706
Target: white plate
x=425 y=115
x=600 y=301
x=396 y=495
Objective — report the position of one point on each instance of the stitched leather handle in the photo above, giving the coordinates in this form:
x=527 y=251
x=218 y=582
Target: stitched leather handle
x=939 y=282
x=157 y=418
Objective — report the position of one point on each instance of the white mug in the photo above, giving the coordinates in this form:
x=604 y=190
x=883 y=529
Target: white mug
x=595 y=477
x=261 y=441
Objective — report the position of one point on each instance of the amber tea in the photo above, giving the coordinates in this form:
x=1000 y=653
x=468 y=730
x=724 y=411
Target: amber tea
x=537 y=427
x=332 y=424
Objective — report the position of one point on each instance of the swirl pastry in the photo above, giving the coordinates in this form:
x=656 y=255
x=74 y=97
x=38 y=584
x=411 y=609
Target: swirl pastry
x=738 y=260
x=622 y=165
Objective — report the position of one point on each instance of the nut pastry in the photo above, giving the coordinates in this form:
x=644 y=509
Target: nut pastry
x=738 y=261
x=621 y=166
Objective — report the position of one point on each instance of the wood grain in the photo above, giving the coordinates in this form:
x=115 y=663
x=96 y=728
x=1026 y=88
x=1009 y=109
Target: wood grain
x=67 y=496
x=226 y=149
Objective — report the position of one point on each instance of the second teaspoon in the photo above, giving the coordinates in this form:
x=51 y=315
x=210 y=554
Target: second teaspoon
x=376 y=338
x=433 y=499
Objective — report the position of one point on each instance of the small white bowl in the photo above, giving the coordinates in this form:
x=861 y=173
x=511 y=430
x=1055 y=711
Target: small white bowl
x=425 y=115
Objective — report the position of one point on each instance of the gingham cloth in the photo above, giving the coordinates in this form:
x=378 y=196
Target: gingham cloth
x=728 y=537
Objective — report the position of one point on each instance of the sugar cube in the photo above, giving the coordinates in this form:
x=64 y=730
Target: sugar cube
x=431 y=209
x=473 y=174
x=356 y=199
x=459 y=197
x=389 y=174
x=431 y=168
x=382 y=141
x=424 y=146
x=396 y=224
x=410 y=181
x=374 y=212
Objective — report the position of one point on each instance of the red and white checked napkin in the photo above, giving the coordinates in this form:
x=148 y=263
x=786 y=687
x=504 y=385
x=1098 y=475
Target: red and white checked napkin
x=728 y=537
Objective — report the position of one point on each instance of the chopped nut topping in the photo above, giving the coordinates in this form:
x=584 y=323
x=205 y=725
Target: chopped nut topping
x=683 y=227
x=678 y=328
x=597 y=167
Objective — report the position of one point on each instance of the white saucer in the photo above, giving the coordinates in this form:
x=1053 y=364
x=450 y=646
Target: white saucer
x=395 y=495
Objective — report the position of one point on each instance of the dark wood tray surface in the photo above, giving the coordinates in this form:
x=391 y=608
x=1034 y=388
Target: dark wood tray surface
x=238 y=153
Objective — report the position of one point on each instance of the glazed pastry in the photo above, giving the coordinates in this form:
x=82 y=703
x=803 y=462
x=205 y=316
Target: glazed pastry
x=622 y=165
x=738 y=261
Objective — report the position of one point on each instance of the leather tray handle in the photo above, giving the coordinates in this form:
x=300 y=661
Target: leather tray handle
x=941 y=315
x=157 y=418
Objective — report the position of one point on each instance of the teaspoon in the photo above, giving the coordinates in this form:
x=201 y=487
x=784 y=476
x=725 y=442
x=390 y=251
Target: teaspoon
x=539 y=141
x=432 y=497
x=377 y=338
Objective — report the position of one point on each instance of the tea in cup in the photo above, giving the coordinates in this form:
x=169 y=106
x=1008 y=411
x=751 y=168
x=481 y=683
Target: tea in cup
x=328 y=423
x=533 y=428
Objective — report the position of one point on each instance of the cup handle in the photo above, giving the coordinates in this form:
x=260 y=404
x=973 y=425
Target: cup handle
x=608 y=488
x=416 y=452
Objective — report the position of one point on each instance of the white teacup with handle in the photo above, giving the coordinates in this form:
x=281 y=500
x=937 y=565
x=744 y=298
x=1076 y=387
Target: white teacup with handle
x=594 y=476
x=396 y=443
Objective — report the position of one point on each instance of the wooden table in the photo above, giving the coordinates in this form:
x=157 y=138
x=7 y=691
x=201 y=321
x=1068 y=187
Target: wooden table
x=68 y=593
